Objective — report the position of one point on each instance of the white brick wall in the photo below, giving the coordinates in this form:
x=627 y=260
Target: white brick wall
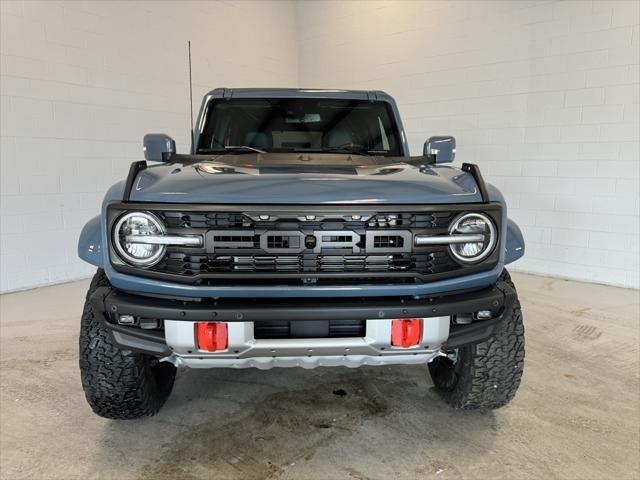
x=83 y=81
x=543 y=95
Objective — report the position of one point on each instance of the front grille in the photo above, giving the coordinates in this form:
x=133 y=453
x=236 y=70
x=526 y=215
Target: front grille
x=278 y=243
x=309 y=329
x=302 y=245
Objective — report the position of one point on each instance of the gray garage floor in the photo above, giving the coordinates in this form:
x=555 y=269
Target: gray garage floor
x=577 y=414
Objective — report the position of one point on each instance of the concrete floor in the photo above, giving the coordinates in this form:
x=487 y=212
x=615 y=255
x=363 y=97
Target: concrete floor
x=576 y=415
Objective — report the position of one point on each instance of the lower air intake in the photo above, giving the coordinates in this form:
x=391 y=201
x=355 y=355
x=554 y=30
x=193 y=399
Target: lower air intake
x=309 y=329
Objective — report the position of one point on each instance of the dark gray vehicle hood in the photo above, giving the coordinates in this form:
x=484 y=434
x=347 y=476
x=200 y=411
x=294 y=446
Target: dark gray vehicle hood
x=277 y=178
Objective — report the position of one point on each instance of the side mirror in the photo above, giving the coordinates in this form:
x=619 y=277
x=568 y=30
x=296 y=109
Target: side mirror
x=158 y=147
x=443 y=149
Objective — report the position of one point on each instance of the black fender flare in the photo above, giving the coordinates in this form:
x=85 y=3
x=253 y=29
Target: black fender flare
x=90 y=242
x=514 y=245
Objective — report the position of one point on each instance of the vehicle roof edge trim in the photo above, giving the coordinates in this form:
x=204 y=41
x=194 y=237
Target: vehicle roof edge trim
x=372 y=95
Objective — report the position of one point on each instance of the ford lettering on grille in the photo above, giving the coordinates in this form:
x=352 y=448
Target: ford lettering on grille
x=278 y=241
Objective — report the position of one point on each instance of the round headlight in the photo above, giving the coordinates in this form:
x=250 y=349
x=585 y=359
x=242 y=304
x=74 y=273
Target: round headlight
x=138 y=224
x=475 y=225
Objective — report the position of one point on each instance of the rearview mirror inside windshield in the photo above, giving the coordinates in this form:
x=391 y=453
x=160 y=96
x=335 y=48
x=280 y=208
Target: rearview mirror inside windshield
x=306 y=118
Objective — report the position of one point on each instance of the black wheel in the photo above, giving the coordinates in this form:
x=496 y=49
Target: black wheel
x=118 y=384
x=485 y=375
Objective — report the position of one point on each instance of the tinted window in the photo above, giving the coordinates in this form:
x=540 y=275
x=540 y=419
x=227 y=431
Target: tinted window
x=313 y=125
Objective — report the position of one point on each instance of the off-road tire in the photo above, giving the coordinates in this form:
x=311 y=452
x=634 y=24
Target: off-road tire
x=485 y=375
x=118 y=384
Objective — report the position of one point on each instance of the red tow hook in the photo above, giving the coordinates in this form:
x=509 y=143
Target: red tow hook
x=211 y=336
x=406 y=332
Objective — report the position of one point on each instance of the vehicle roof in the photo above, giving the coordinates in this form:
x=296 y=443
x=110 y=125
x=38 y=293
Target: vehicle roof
x=299 y=93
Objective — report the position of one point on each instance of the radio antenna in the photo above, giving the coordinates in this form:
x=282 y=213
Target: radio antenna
x=190 y=97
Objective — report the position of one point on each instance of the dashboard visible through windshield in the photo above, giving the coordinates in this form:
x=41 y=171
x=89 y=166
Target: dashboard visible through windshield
x=300 y=125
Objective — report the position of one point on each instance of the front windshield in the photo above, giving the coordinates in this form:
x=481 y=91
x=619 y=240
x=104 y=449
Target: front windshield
x=300 y=125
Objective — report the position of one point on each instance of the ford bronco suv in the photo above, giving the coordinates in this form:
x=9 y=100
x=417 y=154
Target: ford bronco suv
x=299 y=231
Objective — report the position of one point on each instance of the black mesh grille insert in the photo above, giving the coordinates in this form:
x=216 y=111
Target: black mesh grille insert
x=220 y=220
x=283 y=241
x=386 y=241
x=309 y=329
x=233 y=238
x=426 y=263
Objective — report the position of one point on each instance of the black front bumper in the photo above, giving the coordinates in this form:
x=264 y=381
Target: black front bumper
x=112 y=303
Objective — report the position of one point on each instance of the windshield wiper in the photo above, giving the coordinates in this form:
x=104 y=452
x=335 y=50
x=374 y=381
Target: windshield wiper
x=347 y=151
x=231 y=148
x=235 y=148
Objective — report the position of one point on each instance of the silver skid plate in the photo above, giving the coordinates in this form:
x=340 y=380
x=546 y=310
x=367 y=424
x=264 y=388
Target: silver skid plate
x=245 y=351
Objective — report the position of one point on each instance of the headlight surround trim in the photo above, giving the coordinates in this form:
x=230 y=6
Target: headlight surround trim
x=121 y=250
x=487 y=249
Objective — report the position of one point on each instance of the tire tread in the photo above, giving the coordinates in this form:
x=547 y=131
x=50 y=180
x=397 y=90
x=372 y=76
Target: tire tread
x=118 y=384
x=491 y=371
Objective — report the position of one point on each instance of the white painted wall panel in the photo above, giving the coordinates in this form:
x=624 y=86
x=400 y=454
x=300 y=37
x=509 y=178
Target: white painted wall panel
x=543 y=95
x=83 y=81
